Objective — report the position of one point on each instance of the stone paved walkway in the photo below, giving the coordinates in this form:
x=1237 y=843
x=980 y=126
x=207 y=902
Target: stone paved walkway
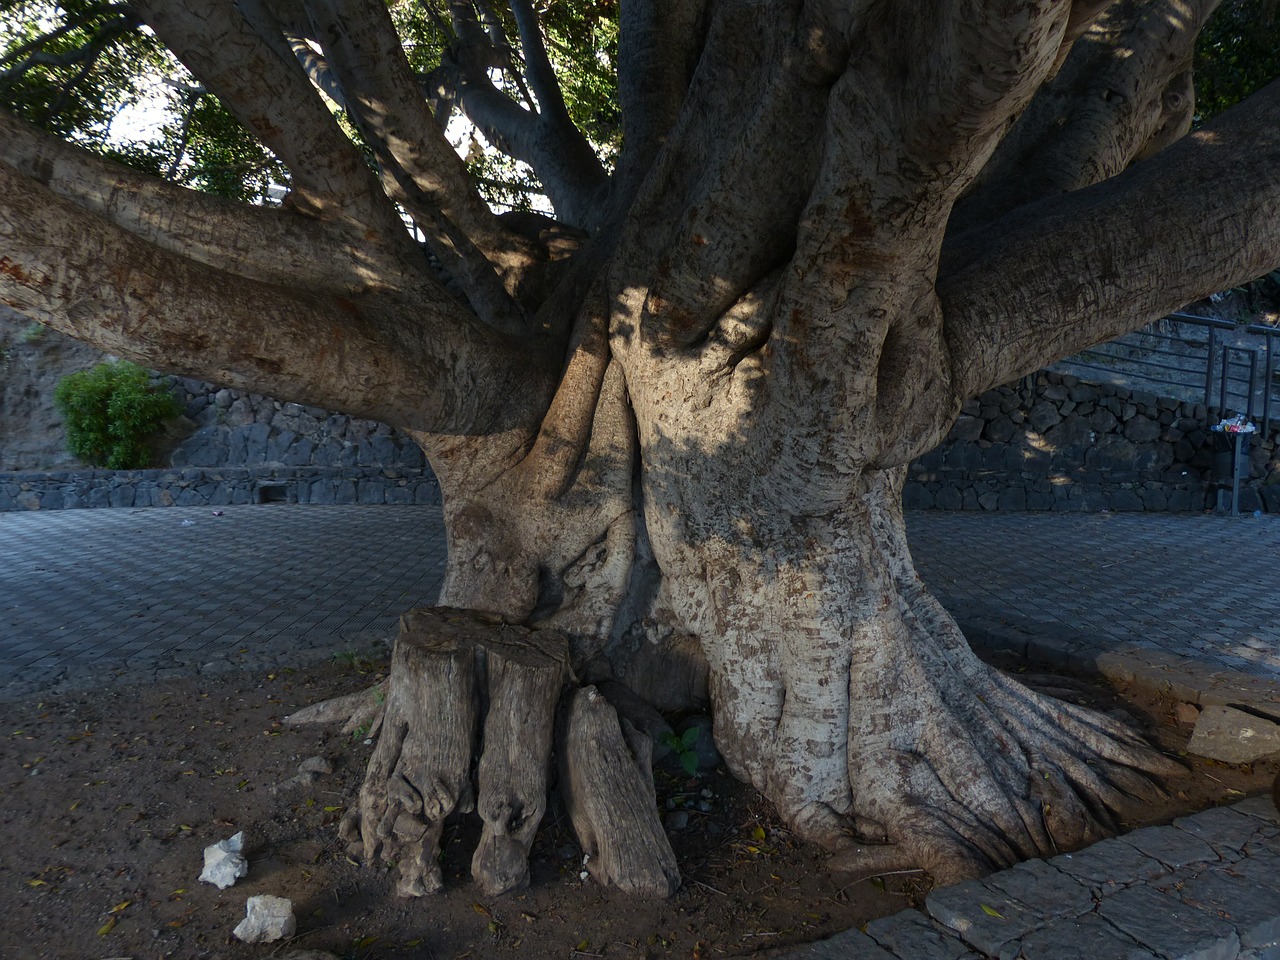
x=1189 y=604
x=1206 y=887
x=88 y=595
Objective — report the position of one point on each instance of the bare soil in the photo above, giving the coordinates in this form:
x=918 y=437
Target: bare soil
x=108 y=799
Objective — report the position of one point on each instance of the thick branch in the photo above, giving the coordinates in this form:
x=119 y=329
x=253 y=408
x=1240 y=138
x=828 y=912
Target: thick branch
x=537 y=66
x=570 y=172
x=420 y=168
x=659 y=43
x=1063 y=274
x=254 y=242
x=1100 y=112
x=395 y=358
x=274 y=99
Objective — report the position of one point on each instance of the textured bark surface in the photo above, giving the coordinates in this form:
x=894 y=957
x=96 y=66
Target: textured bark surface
x=672 y=425
x=607 y=783
x=420 y=771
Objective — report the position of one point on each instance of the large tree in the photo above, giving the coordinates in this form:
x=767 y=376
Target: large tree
x=672 y=422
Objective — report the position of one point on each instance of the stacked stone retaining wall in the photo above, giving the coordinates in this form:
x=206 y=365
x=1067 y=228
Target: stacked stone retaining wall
x=215 y=487
x=1048 y=442
x=1054 y=442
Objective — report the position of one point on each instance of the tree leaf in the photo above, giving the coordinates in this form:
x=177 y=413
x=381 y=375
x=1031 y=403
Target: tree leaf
x=690 y=763
x=689 y=738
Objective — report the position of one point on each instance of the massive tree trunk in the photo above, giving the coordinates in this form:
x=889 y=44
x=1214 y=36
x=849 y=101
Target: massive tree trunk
x=675 y=434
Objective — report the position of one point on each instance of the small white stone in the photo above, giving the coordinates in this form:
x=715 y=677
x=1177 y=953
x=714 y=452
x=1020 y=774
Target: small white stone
x=266 y=919
x=223 y=862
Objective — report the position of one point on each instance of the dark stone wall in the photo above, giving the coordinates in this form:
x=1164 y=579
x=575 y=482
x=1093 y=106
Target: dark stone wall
x=1054 y=442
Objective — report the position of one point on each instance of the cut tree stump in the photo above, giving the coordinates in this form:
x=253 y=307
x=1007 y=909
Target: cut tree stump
x=454 y=672
x=524 y=681
x=606 y=778
x=420 y=772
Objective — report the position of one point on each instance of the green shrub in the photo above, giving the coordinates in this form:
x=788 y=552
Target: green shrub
x=111 y=410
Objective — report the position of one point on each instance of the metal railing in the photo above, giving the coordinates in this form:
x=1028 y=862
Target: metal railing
x=1200 y=359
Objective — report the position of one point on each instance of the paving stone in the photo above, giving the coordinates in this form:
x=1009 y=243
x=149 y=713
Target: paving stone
x=1044 y=888
x=913 y=936
x=1259 y=807
x=1088 y=936
x=1168 y=926
x=1253 y=909
x=982 y=916
x=1173 y=847
x=1109 y=863
x=1225 y=829
x=850 y=945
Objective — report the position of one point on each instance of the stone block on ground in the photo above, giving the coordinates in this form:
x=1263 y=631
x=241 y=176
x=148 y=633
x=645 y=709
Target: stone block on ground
x=1170 y=927
x=1233 y=736
x=982 y=916
x=1173 y=847
x=843 y=946
x=1109 y=863
x=1089 y=936
x=1045 y=888
x=1225 y=829
x=912 y=934
x=1253 y=910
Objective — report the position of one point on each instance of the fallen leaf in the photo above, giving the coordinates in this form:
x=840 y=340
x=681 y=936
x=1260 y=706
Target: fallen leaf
x=107 y=927
x=120 y=906
x=481 y=909
x=991 y=911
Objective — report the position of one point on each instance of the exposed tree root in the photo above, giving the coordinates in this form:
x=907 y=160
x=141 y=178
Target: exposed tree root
x=360 y=711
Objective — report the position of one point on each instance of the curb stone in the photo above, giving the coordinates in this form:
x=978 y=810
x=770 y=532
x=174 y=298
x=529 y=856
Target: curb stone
x=1206 y=887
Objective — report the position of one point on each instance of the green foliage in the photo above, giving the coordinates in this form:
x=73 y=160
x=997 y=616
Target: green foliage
x=73 y=68
x=111 y=410
x=1237 y=52
x=685 y=748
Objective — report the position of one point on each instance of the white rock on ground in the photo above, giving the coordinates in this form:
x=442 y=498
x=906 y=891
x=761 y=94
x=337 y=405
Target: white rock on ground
x=224 y=863
x=267 y=918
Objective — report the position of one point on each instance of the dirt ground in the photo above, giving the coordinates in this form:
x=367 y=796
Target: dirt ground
x=108 y=799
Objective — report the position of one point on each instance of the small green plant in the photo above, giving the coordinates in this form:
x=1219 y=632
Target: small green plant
x=111 y=410
x=685 y=748
x=33 y=332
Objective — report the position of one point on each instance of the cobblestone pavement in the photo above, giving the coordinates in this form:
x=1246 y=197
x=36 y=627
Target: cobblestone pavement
x=88 y=595
x=1187 y=603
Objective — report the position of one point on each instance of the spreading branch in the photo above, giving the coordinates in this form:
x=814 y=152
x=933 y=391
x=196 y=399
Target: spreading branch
x=1196 y=218
x=570 y=172
x=258 y=243
x=391 y=356
x=420 y=170
x=272 y=96
x=1100 y=112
